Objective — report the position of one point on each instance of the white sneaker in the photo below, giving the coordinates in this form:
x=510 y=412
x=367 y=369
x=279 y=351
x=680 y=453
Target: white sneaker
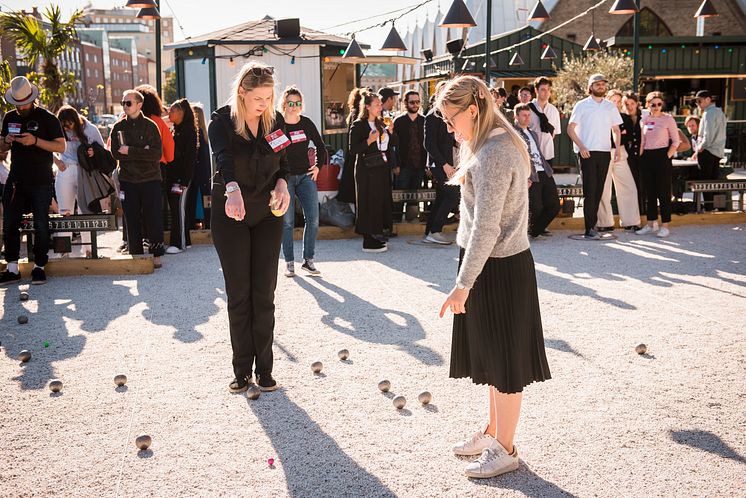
x=438 y=238
x=492 y=462
x=663 y=232
x=173 y=250
x=479 y=441
x=290 y=271
x=645 y=230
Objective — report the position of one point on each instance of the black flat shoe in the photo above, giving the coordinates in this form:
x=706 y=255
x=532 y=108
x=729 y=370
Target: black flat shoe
x=239 y=385
x=266 y=383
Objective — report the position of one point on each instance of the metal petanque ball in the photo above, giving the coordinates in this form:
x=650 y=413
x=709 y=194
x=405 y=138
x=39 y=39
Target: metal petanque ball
x=343 y=354
x=384 y=386
x=425 y=397
x=23 y=319
x=24 y=296
x=55 y=385
x=120 y=380
x=641 y=349
x=316 y=366
x=143 y=441
x=399 y=402
x=253 y=392
x=24 y=356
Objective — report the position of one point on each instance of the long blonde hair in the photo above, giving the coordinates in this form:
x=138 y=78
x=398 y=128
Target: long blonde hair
x=463 y=92
x=248 y=81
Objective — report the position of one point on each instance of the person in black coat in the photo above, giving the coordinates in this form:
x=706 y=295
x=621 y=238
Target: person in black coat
x=179 y=173
x=631 y=135
x=249 y=198
x=202 y=177
x=346 y=191
x=371 y=143
x=410 y=129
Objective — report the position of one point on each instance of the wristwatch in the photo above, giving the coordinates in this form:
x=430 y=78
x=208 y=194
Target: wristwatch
x=232 y=188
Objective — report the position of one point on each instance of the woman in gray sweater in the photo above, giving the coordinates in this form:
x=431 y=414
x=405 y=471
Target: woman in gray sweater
x=497 y=332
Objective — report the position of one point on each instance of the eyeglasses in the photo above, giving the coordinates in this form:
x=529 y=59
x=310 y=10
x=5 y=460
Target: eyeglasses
x=127 y=103
x=448 y=120
x=299 y=103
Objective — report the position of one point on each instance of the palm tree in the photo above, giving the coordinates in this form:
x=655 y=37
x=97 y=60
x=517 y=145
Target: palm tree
x=37 y=43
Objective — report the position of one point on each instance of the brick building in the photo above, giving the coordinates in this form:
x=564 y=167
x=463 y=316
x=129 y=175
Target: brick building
x=120 y=78
x=94 y=81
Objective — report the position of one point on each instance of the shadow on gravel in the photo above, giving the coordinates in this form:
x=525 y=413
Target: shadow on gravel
x=707 y=441
x=561 y=345
x=369 y=322
x=526 y=481
x=313 y=463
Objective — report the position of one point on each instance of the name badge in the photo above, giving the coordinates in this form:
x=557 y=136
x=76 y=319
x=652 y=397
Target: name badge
x=14 y=128
x=298 y=136
x=277 y=140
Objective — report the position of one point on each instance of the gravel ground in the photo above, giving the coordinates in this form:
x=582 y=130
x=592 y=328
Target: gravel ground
x=609 y=423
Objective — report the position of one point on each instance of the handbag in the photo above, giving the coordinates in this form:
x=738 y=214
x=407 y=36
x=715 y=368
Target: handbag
x=375 y=160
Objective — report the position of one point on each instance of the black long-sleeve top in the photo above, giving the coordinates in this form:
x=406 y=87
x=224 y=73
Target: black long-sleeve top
x=142 y=163
x=250 y=162
x=358 y=143
x=438 y=142
x=181 y=169
x=300 y=134
x=631 y=135
x=404 y=127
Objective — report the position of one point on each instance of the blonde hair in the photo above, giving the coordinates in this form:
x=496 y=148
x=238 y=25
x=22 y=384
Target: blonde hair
x=468 y=90
x=653 y=95
x=291 y=90
x=248 y=81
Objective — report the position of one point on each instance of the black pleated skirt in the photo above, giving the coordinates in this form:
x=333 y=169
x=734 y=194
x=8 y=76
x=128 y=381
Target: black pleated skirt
x=499 y=340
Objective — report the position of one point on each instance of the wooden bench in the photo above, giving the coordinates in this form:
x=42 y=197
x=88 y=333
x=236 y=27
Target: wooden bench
x=92 y=223
x=698 y=187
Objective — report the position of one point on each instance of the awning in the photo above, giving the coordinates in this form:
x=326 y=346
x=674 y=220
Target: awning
x=375 y=59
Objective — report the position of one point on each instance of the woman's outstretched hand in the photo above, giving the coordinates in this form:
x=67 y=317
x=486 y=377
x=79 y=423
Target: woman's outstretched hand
x=456 y=302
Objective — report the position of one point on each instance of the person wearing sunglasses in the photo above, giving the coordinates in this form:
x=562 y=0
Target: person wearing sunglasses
x=136 y=144
x=410 y=128
x=249 y=197
x=180 y=174
x=658 y=144
x=305 y=155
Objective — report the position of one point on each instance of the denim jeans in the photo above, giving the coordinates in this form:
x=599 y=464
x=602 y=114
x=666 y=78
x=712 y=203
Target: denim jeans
x=16 y=198
x=305 y=189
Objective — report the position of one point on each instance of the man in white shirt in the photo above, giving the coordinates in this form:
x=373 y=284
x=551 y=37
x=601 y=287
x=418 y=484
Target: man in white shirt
x=592 y=121
x=545 y=118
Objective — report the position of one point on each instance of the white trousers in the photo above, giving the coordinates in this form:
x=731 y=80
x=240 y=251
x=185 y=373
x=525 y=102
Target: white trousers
x=66 y=190
x=626 y=195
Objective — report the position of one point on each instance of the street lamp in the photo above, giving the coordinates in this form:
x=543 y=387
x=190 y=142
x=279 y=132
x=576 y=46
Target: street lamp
x=631 y=7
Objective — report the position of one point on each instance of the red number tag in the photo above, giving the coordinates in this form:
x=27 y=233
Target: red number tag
x=277 y=140
x=298 y=136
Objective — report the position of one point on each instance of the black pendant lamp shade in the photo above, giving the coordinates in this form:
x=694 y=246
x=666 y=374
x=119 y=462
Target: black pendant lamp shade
x=458 y=16
x=493 y=63
x=592 y=44
x=548 y=54
x=516 y=60
x=469 y=66
x=624 y=7
x=149 y=13
x=353 y=50
x=141 y=4
x=706 y=10
x=539 y=13
x=394 y=42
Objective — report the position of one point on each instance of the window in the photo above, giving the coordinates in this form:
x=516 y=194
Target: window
x=87 y=72
x=87 y=59
x=95 y=73
x=650 y=25
x=95 y=58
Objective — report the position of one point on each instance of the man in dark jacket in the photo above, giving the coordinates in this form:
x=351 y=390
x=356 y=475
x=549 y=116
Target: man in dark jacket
x=136 y=144
x=439 y=146
x=410 y=128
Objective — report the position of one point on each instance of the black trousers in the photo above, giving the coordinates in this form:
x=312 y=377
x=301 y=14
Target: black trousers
x=447 y=198
x=634 y=167
x=543 y=204
x=143 y=208
x=248 y=252
x=180 y=223
x=657 y=170
x=15 y=200
x=709 y=169
x=594 y=171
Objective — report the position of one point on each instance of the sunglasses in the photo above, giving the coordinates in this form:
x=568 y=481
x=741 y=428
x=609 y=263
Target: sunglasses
x=655 y=105
x=413 y=102
x=127 y=103
x=294 y=104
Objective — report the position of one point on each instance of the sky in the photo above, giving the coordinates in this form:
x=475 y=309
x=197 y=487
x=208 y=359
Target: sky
x=317 y=14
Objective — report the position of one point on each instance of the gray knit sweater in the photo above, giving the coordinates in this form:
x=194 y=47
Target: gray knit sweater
x=494 y=207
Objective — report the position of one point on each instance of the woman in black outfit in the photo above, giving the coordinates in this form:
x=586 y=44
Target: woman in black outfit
x=179 y=173
x=631 y=140
x=346 y=191
x=248 y=141
x=371 y=143
x=200 y=185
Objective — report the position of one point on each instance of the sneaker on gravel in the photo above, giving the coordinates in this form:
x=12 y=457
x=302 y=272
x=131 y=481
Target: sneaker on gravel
x=438 y=238
x=239 y=385
x=663 y=232
x=310 y=267
x=38 y=276
x=8 y=277
x=173 y=250
x=266 y=383
x=290 y=270
x=492 y=462
x=645 y=230
x=475 y=445
x=592 y=234
x=374 y=245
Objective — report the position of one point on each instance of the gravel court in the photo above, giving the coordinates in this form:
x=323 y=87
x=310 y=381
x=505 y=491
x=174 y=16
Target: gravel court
x=610 y=422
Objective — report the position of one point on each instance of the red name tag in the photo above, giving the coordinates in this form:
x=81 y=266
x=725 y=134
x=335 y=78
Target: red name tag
x=298 y=136
x=14 y=128
x=277 y=140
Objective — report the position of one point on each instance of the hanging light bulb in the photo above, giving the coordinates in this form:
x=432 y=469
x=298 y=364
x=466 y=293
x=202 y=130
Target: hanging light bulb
x=539 y=13
x=706 y=10
x=231 y=62
x=592 y=44
x=516 y=60
x=548 y=54
x=624 y=7
x=458 y=16
x=353 y=50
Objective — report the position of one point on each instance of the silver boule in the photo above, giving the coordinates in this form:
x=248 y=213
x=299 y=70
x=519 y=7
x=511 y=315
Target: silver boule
x=641 y=349
x=399 y=402
x=55 y=385
x=343 y=354
x=24 y=356
x=425 y=397
x=143 y=441
x=316 y=366
x=253 y=392
x=24 y=296
x=384 y=386
x=120 y=380
x=23 y=319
